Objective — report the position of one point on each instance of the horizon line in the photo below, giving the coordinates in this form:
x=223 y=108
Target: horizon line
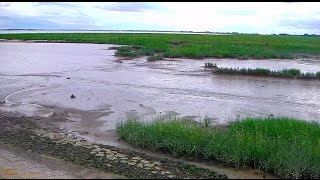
x=234 y=32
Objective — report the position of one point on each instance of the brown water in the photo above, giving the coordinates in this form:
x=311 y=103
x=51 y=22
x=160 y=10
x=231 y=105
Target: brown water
x=34 y=81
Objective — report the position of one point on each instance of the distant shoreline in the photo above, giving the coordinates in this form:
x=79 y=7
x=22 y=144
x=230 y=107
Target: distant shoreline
x=18 y=31
x=113 y=30
x=12 y=31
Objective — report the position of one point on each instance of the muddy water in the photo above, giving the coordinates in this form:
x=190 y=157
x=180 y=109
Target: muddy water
x=39 y=78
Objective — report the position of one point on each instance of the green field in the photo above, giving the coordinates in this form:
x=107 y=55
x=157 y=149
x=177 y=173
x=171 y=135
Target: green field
x=195 y=46
x=284 y=146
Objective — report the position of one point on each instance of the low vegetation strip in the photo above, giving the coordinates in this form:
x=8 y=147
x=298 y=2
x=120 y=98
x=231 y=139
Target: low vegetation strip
x=284 y=146
x=285 y=73
x=26 y=133
x=193 y=46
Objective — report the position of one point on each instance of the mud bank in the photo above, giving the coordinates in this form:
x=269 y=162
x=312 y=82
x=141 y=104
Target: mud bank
x=27 y=133
x=19 y=164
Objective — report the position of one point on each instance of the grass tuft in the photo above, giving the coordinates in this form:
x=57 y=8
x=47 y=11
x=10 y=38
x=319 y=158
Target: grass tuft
x=155 y=57
x=285 y=73
x=210 y=65
x=130 y=51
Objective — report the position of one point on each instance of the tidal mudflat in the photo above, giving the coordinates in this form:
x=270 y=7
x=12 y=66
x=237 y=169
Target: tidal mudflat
x=38 y=79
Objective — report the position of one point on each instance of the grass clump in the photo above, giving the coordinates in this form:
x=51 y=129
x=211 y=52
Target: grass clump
x=193 y=45
x=155 y=57
x=130 y=51
x=244 y=71
x=285 y=146
x=286 y=73
x=206 y=121
x=290 y=73
x=210 y=65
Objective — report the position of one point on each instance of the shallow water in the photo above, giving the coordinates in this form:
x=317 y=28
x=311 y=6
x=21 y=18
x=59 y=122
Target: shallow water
x=34 y=81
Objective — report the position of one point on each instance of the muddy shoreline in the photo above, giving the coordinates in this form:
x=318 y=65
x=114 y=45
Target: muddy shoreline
x=42 y=135
x=16 y=163
x=29 y=134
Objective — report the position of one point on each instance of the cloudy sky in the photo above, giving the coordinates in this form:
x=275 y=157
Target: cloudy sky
x=243 y=17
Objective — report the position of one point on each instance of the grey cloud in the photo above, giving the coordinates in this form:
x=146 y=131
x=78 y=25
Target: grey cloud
x=301 y=23
x=74 y=18
x=237 y=12
x=24 y=22
x=45 y=22
x=129 y=6
x=4 y=4
x=53 y=4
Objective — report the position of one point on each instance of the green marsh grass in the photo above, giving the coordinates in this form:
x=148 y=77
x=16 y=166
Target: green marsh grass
x=155 y=57
x=130 y=51
x=285 y=73
x=195 y=46
x=284 y=146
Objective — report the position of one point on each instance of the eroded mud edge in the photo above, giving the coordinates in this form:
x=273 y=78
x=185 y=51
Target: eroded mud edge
x=29 y=133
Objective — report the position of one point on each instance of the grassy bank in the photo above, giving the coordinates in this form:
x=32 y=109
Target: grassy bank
x=285 y=73
x=287 y=147
x=195 y=46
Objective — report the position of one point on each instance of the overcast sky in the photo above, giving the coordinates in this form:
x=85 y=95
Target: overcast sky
x=243 y=17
